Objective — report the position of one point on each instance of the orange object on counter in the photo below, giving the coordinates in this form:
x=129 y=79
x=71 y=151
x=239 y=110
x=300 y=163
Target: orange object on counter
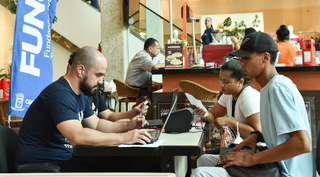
x=308 y=52
x=4 y=88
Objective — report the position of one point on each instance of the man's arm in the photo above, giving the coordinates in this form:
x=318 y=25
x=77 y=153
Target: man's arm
x=79 y=135
x=107 y=126
x=298 y=143
x=114 y=116
x=158 y=65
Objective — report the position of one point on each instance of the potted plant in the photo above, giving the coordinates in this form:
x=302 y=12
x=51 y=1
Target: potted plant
x=4 y=75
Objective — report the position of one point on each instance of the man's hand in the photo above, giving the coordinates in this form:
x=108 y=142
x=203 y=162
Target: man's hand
x=241 y=158
x=250 y=141
x=141 y=109
x=136 y=136
x=137 y=122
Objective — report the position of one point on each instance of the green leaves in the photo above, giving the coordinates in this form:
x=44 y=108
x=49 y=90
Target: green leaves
x=227 y=22
x=239 y=27
x=4 y=75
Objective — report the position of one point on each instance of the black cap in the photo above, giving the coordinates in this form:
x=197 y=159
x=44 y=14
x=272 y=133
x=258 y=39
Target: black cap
x=255 y=42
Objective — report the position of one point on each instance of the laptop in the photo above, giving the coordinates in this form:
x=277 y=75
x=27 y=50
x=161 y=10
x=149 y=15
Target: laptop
x=155 y=134
x=159 y=122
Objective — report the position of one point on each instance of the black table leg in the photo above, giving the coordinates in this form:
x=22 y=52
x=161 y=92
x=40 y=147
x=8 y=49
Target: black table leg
x=189 y=166
x=167 y=164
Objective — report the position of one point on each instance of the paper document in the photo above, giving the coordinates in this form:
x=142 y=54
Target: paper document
x=153 y=145
x=195 y=102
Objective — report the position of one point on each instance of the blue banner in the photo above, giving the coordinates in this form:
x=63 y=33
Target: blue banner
x=32 y=53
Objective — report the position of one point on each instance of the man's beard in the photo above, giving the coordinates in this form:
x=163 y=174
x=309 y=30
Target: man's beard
x=86 y=89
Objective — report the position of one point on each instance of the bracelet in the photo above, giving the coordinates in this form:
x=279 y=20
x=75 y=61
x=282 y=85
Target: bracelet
x=210 y=116
x=259 y=139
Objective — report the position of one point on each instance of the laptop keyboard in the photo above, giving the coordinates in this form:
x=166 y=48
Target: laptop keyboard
x=155 y=122
x=154 y=134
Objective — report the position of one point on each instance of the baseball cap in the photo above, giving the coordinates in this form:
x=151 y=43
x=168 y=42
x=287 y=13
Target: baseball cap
x=255 y=42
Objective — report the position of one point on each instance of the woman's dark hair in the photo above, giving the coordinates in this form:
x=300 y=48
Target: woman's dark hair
x=283 y=33
x=149 y=42
x=235 y=71
x=211 y=21
x=249 y=30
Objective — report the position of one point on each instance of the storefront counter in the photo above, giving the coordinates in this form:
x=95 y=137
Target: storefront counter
x=305 y=77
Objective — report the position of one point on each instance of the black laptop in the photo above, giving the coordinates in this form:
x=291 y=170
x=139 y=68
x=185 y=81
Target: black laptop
x=155 y=134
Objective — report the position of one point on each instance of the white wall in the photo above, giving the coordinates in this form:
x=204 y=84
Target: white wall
x=79 y=22
x=59 y=61
x=7 y=21
x=236 y=17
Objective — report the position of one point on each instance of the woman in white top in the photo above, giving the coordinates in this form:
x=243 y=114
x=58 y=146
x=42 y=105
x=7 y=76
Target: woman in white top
x=239 y=102
x=235 y=87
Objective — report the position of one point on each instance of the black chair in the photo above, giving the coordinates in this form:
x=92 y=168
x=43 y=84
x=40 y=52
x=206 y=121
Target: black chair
x=8 y=142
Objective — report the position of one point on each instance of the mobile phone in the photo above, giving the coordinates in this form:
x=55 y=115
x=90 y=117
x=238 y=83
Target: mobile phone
x=143 y=109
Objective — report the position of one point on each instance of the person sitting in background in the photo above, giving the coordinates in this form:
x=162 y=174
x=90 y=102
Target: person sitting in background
x=287 y=51
x=207 y=37
x=100 y=108
x=61 y=118
x=235 y=40
x=139 y=70
x=240 y=102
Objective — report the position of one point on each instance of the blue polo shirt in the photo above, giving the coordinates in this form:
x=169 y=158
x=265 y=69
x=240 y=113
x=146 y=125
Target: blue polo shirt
x=39 y=139
x=206 y=37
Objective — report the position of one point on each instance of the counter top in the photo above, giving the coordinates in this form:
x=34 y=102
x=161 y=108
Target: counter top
x=208 y=70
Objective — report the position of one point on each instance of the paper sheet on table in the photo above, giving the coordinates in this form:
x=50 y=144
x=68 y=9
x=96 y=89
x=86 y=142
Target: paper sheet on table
x=153 y=145
x=195 y=102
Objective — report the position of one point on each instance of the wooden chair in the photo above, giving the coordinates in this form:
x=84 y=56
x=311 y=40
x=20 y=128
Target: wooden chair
x=4 y=114
x=206 y=96
x=129 y=93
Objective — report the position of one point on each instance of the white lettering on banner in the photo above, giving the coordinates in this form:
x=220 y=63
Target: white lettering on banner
x=19 y=102
x=29 y=47
x=30 y=17
x=29 y=102
x=48 y=46
x=30 y=69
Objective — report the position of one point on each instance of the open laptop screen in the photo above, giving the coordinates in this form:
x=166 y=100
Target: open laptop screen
x=174 y=100
x=174 y=95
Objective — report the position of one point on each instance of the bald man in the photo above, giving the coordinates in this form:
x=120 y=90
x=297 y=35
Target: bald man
x=61 y=118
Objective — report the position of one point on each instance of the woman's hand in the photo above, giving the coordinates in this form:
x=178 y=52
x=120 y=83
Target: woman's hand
x=203 y=114
x=221 y=121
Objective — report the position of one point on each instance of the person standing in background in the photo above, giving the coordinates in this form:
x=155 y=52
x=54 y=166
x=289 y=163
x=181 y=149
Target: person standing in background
x=206 y=37
x=287 y=51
